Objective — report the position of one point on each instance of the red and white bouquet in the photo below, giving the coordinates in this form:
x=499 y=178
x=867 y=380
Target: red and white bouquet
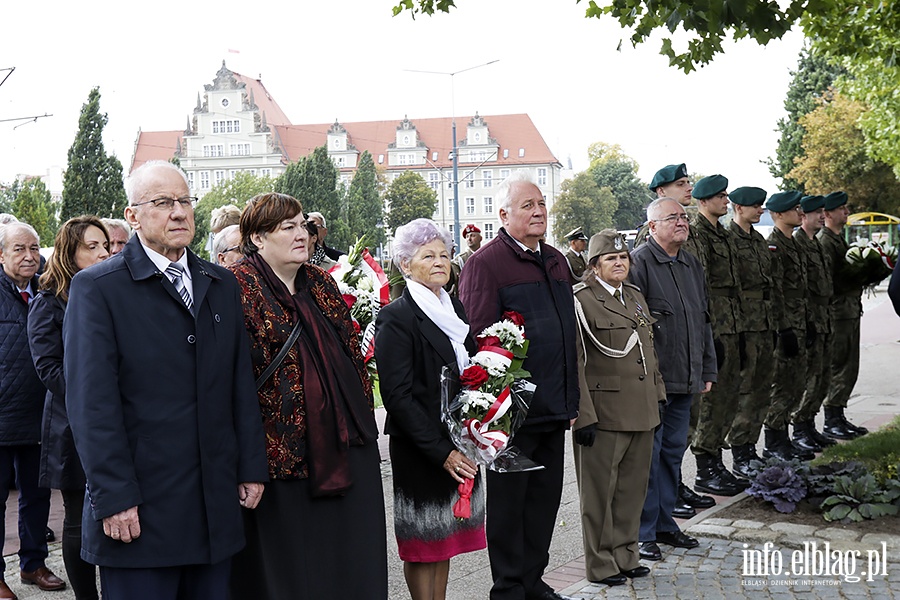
x=872 y=261
x=486 y=404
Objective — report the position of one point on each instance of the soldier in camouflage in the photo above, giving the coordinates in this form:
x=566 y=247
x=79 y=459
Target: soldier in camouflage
x=846 y=310
x=757 y=338
x=818 y=327
x=789 y=271
x=714 y=246
x=669 y=182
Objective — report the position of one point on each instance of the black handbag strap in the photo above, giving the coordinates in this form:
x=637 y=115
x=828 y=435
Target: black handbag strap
x=281 y=354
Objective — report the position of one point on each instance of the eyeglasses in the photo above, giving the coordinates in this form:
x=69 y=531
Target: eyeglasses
x=673 y=219
x=169 y=203
x=231 y=249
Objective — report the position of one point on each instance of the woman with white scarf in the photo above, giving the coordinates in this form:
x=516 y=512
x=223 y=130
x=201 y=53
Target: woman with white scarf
x=415 y=337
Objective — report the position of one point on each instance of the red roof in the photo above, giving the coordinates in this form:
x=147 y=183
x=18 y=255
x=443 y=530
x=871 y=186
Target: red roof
x=264 y=100
x=154 y=145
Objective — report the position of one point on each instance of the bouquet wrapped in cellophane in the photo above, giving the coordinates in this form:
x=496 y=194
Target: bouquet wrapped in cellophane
x=872 y=261
x=485 y=405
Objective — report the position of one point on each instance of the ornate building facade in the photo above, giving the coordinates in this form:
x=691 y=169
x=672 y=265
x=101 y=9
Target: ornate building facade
x=237 y=126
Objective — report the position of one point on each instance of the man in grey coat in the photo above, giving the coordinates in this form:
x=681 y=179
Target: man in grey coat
x=673 y=283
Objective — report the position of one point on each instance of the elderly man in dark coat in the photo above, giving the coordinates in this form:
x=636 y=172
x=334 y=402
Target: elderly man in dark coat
x=21 y=404
x=162 y=404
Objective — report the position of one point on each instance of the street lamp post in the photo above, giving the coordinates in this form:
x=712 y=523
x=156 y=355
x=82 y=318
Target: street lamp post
x=455 y=150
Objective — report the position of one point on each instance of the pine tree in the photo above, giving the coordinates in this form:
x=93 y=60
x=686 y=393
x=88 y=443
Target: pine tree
x=364 y=205
x=92 y=184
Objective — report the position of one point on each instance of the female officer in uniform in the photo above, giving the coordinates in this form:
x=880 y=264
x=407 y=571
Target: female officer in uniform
x=621 y=398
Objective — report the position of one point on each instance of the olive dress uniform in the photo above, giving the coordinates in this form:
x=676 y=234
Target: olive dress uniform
x=620 y=396
x=577 y=264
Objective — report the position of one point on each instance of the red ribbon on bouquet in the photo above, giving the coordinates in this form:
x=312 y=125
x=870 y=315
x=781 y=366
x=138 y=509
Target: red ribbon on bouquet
x=479 y=431
x=463 y=507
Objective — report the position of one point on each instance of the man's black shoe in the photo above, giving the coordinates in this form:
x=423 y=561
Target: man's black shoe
x=683 y=511
x=617 y=579
x=640 y=571
x=679 y=539
x=649 y=551
x=693 y=499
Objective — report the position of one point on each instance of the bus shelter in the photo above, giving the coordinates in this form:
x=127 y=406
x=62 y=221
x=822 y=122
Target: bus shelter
x=872 y=226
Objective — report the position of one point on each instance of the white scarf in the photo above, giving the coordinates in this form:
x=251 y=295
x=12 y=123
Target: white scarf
x=441 y=313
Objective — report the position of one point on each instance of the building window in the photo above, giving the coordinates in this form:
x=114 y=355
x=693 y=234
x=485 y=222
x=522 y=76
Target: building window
x=213 y=150
x=506 y=153
x=229 y=126
x=340 y=161
x=190 y=175
x=487 y=178
x=219 y=177
x=434 y=156
x=265 y=172
x=434 y=180
x=252 y=172
x=504 y=173
x=470 y=180
x=477 y=137
x=521 y=152
x=233 y=173
x=239 y=149
x=488 y=231
x=488 y=204
x=542 y=176
x=381 y=159
x=470 y=206
x=204 y=180
x=449 y=206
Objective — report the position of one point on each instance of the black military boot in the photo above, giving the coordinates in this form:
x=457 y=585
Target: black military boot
x=741 y=457
x=688 y=496
x=778 y=445
x=822 y=440
x=727 y=475
x=709 y=479
x=836 y=426
x=857 y=428
x=803 y=437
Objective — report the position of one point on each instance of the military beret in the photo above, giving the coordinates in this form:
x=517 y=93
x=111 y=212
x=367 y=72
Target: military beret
x=748 y=196
x=783 y=201
x=835 y=199
x=709 y=186
x=668 y=174
x=608 y=241
x=576 y=234
x=811 y=203
x=470 y=229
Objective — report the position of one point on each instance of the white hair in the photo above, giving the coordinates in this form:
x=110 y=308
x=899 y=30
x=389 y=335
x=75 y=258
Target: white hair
x=117 y=224
x=318 y=215
x=220 y=241
x=7 y=218
x=502 y=196
x=8 y=229
x=654 y=208
x=415 y=234
x=133 y=181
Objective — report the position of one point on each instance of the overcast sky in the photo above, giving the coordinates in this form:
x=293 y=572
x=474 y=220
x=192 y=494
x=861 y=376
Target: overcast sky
x=349 y=60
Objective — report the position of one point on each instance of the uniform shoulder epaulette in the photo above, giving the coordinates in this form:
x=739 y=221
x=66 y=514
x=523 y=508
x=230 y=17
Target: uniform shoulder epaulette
x=578 y=287
x=631 y=285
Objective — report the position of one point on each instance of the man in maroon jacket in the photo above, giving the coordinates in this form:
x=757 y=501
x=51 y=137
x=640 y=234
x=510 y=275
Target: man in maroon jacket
x=516 y=271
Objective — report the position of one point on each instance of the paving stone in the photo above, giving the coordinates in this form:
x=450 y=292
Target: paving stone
x=747 y=524
x=717 y=521
x=833 y=533
x=793 y=528
x=760 y=536
x=707 y=528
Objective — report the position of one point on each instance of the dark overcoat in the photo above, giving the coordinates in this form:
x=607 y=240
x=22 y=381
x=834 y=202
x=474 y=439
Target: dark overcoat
x=163 y=408
x=60 y=465
x=411 y=351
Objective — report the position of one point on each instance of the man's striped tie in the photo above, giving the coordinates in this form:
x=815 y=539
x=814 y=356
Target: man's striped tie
x=176 y=272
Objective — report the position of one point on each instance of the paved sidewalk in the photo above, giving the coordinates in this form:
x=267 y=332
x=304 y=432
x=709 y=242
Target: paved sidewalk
x=712 y=571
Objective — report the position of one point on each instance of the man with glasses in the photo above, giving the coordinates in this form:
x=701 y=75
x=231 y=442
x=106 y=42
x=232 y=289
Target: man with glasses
x=673 y=283
x=162 y=404
x=714 y=246
x=756 y=343
x=227 y=246
x=669 y=182
x=789 y=267
x=846 y=310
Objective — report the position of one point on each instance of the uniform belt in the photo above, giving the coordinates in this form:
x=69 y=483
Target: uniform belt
x=820 y=300
x=755 y=294
x=731 y=292
x=794 y=294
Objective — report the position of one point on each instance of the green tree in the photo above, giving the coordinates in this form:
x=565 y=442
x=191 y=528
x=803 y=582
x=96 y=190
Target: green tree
x=92 y=184
x=835 y=159
x=364 y=205
x=8 y=195
x=409 y=197
x=237 y=191
x=612 y=168
x=313 y=180
x=34 y=205
x=814 y=76
x=581 y=203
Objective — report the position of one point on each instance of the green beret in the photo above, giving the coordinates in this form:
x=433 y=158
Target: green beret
x=668 y=174
x=608 y=241
x=811 y=203
x=709 y=186
x=835 y=199
x=783 y=201
x=748 y=196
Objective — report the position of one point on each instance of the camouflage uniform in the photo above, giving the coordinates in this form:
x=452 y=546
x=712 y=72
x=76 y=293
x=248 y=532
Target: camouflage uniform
x=789 y=270
x=818 y=328
x=754 y=262
x=714 y=246
x=846 y=310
